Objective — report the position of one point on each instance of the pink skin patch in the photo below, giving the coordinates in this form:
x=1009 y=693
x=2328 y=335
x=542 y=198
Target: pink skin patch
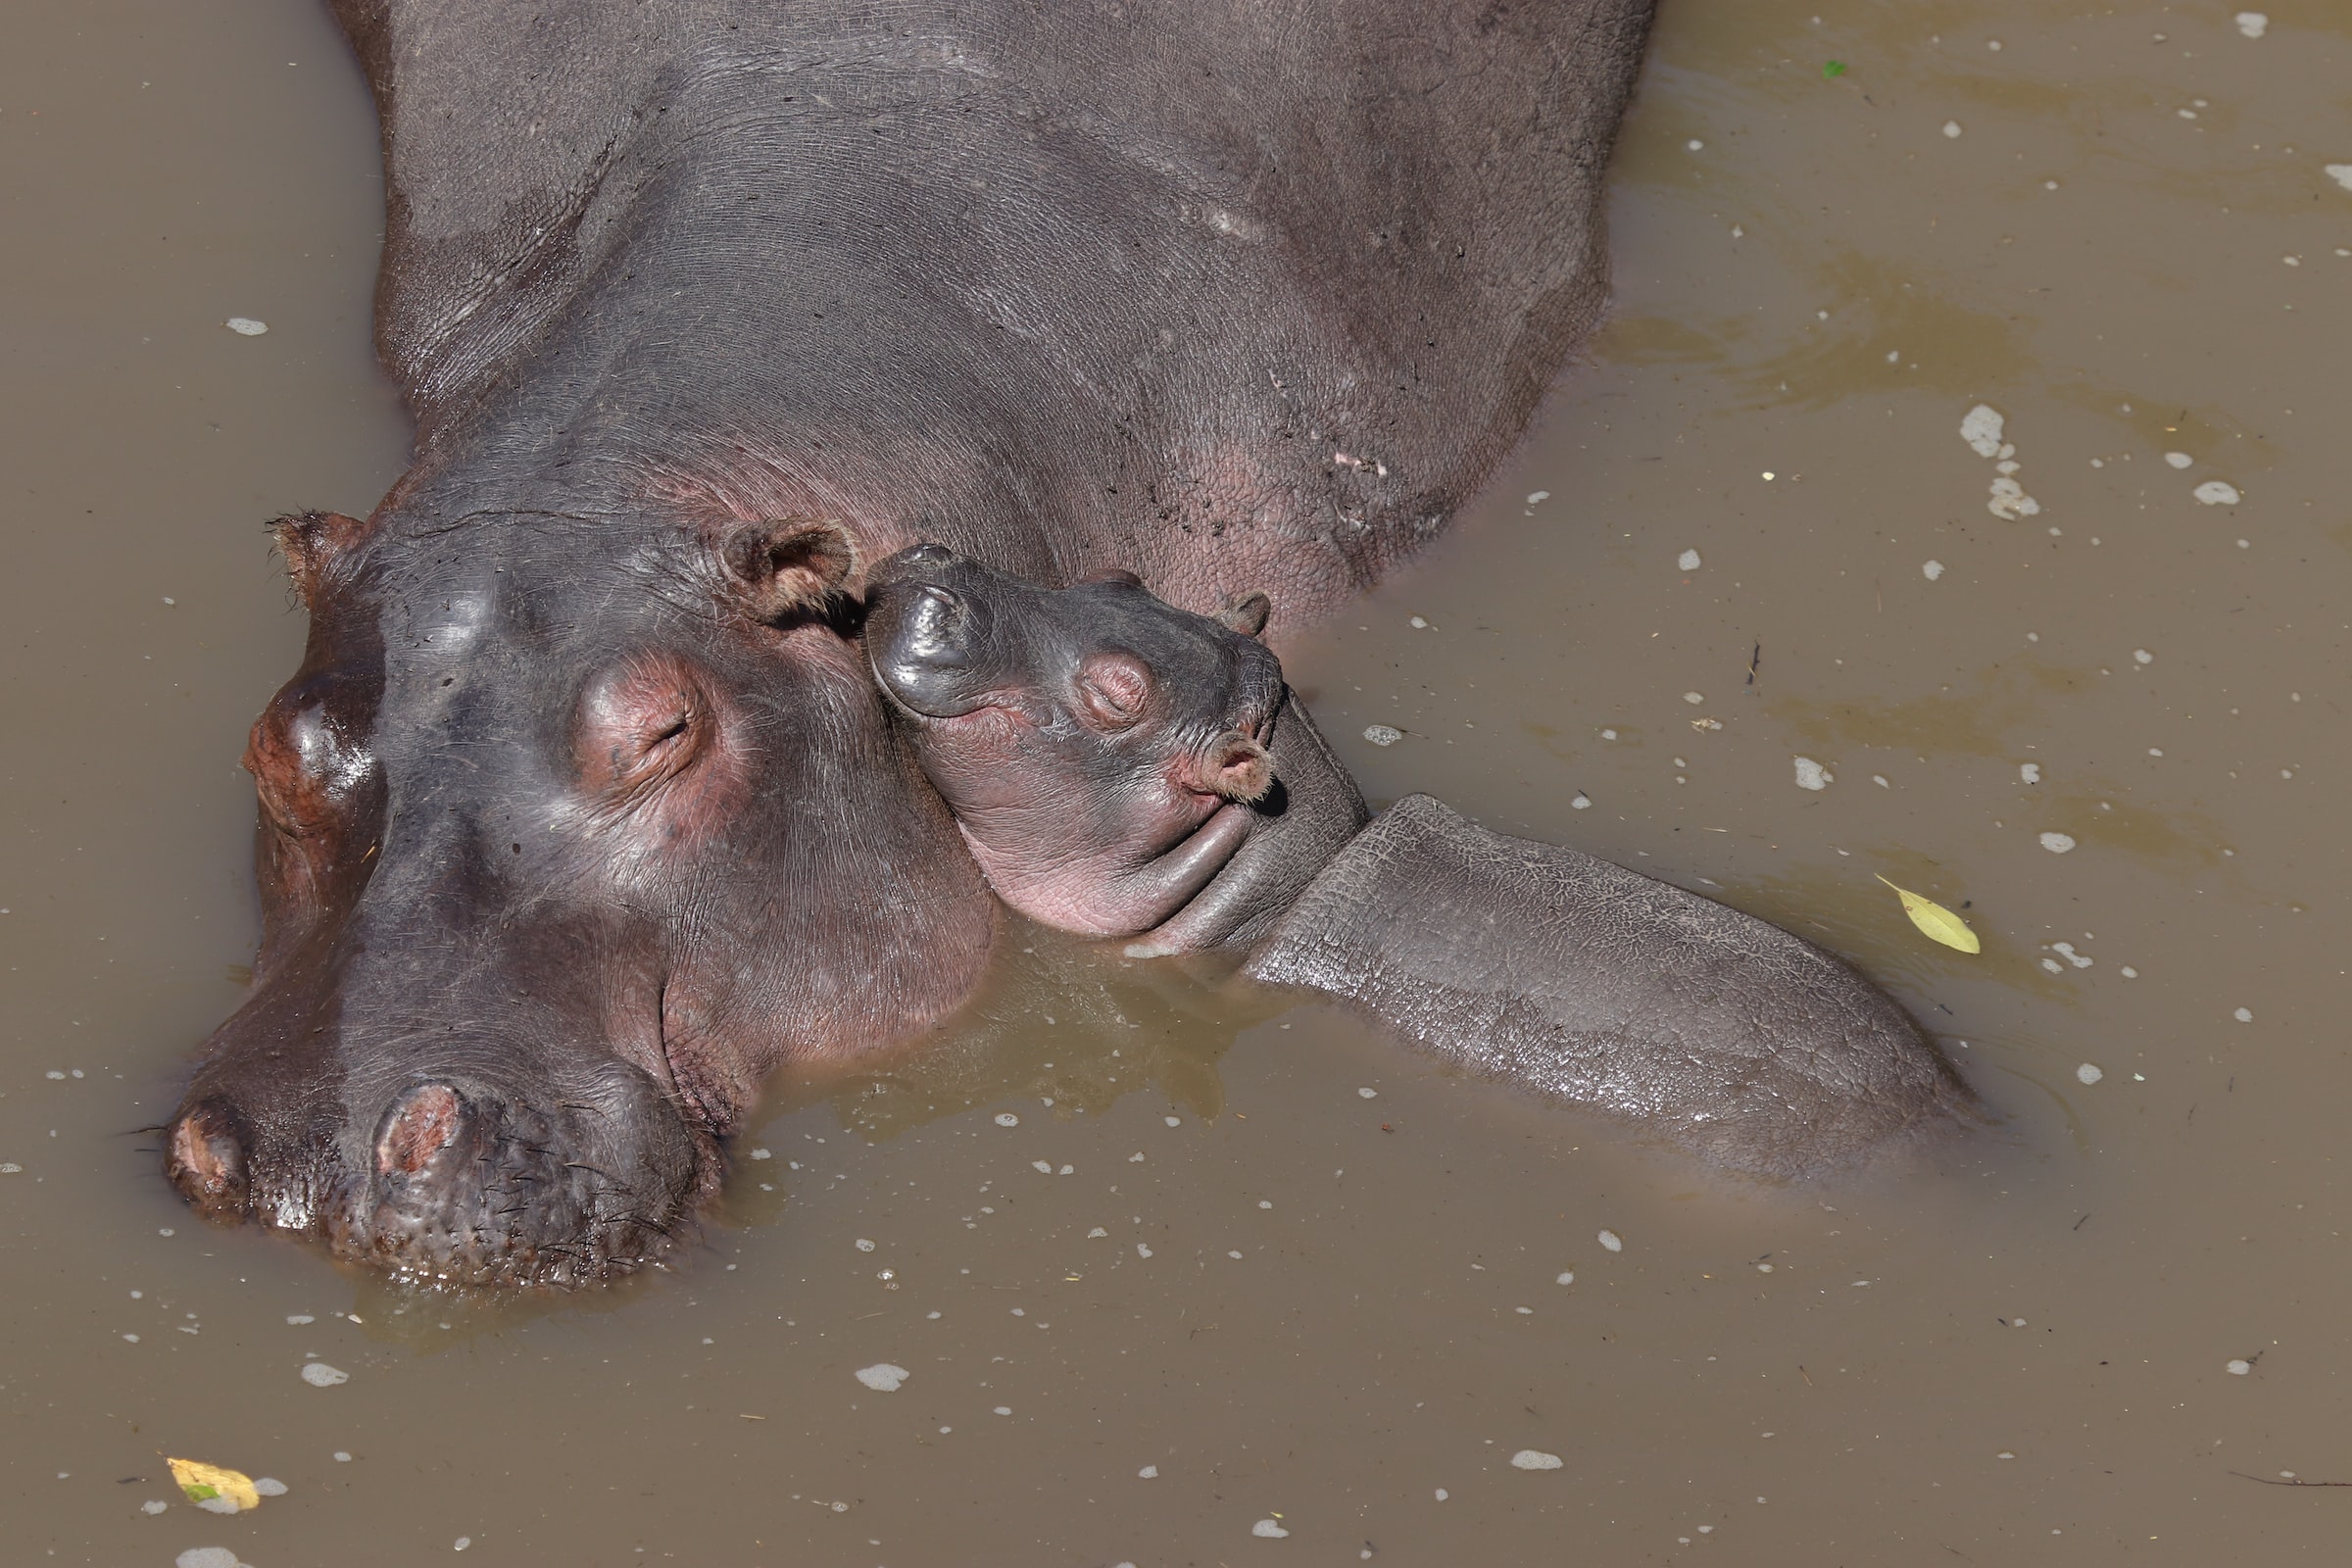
x=656 y=752
x=421 y=1124
x=1098 y=900
x=1103 y=869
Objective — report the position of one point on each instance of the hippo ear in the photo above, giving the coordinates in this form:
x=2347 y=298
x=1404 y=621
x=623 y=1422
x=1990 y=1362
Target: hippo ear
x=312 y=542
x=1246 y=613
x=1237 y=767
x=787 y=567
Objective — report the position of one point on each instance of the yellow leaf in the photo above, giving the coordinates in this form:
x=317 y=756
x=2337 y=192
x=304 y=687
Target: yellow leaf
x=1940 y=923
x=204 y=1482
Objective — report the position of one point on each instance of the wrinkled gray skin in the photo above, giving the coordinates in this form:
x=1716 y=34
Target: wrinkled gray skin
x=1588 y=983
x=583 y=813
x=1524 y=962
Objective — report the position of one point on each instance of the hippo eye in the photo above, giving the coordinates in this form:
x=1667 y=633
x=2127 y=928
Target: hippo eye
x=1113 y=690
x=640 y=723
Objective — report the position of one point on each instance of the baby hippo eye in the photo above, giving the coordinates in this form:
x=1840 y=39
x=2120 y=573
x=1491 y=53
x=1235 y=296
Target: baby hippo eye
x=1113 y=689
x=639 y=723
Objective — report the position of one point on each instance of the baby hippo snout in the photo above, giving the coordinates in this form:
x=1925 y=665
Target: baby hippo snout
x=1100 y=749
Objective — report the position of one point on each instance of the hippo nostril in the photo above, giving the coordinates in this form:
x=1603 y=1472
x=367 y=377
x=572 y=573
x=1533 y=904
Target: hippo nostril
x=206 y=1160
x=928 y=555
x=424 y=1121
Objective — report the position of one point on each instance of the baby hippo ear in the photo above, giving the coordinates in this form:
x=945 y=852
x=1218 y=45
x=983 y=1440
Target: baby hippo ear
x=1246 y=613
x=788 y=568
x=1237 y=767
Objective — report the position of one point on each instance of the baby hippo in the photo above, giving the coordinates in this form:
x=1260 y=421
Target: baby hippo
x=1118 y=766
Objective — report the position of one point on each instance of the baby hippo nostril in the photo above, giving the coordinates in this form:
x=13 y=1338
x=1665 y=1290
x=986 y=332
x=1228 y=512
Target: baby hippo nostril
x=1237 y=767
x=206 y=1160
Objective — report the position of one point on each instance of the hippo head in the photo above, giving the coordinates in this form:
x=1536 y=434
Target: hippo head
x=569 y=833
x=1098 y=746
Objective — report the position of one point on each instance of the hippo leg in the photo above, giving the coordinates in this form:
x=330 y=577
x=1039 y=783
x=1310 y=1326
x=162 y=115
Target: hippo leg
x=1588 y=983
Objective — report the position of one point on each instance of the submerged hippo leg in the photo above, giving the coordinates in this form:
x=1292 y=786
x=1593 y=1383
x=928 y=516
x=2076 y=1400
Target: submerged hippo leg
x=1588 y=983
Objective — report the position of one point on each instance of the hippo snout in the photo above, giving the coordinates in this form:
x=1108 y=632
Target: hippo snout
x=473 y=1188
x=456 y=1181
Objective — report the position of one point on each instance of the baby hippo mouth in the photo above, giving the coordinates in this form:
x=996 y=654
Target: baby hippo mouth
x=1100 y=750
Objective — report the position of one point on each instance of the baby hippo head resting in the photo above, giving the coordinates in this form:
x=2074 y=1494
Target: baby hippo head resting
x=1099 y=747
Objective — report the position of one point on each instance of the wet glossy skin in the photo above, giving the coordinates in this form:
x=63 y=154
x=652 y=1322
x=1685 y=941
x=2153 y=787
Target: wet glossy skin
x=583 y=813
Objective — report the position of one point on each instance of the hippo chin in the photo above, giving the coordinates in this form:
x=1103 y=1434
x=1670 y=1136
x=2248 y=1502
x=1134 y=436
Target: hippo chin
x=1525 y=963
x=583 y=813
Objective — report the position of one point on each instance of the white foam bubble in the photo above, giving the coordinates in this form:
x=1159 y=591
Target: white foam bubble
x=2057 y=843
x=1931 y=569
x=1687 y=560
x=1270 y=1529
x=882 y=1377
x=318 y=1375
x=1811 y=775
x=1383 y=734
x=2253 y=23
x=1981 y=427
x=246 y=326
x=2217 y=493
x=1612 y=1241
x=2090 y=1073
x=1535 y=1460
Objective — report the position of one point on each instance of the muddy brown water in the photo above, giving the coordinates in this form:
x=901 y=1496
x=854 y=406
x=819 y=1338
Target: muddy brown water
x=1205 y=1279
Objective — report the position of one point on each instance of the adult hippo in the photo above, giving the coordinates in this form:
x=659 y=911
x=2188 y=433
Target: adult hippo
x=582 y=814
